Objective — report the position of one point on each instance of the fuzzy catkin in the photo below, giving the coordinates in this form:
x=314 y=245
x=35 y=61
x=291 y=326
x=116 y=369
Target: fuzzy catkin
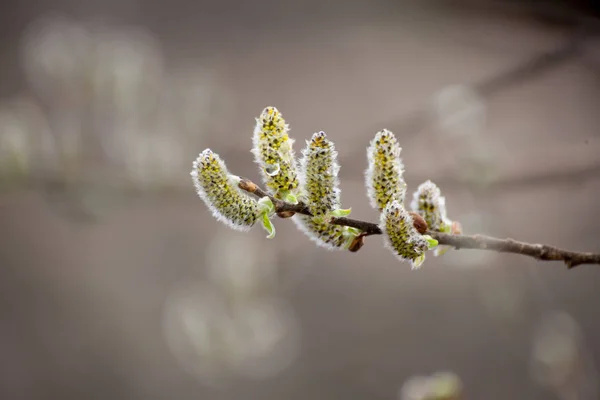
x=319 y=175
x=218 y=189
x=431 y=205
x=320 y=192
x=322 y=233
x=383 y=177
x=400 y=235
x=274 y=154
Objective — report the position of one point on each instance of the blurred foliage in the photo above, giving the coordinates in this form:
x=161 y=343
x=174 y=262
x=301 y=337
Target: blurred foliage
x=439 y=386
x=103 y=114
x=235 y=323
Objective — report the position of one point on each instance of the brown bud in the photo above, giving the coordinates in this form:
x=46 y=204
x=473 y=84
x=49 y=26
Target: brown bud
x=247 y=185
x=357 y=243
x=419 y=223
x=285 y=214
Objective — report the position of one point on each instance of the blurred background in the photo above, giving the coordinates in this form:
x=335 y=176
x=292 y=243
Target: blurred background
x=117 y=283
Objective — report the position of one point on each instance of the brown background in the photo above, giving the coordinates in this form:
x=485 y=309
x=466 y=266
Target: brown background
x=82 y=300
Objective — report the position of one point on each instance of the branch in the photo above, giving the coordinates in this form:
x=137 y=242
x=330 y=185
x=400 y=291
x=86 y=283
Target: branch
x=540 y=252
x=281 y=207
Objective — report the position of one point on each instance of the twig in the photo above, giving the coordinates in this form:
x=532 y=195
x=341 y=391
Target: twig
x=286 y=210
x=539 y=251
x=478 y=242
x=281 y=207
x=368 y=228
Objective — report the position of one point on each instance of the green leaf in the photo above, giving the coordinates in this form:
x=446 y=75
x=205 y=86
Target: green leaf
x=417 y=262
x=350 y=234
x=348 y=242
x=446 y=228
x=268 y=225
x=341 y=212
x=266 y=206
x=319 y=219
x=431 y=242
x=291 y=198
x=441 y=250
x=354 y=231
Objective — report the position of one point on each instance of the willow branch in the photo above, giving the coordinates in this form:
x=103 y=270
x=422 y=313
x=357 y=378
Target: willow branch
x=540 y=252
x=281 y=207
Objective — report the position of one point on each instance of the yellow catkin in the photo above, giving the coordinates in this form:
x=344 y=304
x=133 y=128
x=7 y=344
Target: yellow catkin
x=431 y=205
x=274 y=154
x=319 y=191
x=383 y=176
x=324 y=234
x=319 y=175
x=401 y=236
x=218 y=189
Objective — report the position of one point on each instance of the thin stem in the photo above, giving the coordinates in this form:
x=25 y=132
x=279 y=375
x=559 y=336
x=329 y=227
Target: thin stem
x=280 y=205
x=541 y=252
x=368 y=228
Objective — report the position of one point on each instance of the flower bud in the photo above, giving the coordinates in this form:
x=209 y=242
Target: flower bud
x=431 y=205
x=319 y=191
x=383 y=177
x=401 y=236
x=319 y=175
x=273 y=152
x=325 y=234
x=219 y=191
